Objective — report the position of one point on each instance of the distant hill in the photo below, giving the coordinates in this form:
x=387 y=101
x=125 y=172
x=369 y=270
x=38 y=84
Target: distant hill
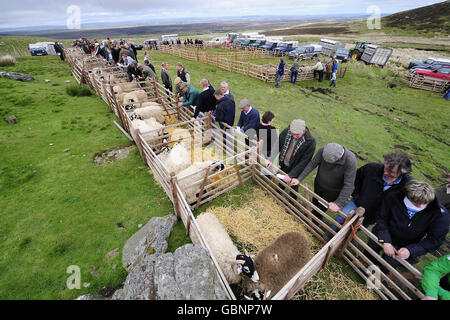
x=430 y=19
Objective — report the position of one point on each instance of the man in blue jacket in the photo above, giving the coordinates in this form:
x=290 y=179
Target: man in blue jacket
x=280 y=73
x=249 y=119
x=410 y=223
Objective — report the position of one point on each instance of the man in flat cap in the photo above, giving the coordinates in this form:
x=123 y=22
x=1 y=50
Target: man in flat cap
x=335 y=176
x=296 y=146
x=249 y=119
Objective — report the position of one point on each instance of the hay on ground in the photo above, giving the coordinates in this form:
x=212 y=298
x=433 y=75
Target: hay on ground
x=257 y=223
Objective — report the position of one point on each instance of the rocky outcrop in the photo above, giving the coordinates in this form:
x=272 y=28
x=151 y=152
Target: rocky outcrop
x=187 y=274
x=155 y=274
x=151 y=238
x=16 y=76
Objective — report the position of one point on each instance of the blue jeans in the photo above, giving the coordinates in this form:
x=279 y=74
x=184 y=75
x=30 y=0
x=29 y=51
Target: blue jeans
x=349 y=206
x=294 y=75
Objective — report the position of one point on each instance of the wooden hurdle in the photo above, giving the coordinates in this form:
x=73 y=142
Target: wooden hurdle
x=248 y=165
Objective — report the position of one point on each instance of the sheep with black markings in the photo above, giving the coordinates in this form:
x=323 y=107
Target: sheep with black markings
x=148 y=110
x=190 y=191
x=176 y=159
x=220 y=243
x=147 y=128
x=275 y=265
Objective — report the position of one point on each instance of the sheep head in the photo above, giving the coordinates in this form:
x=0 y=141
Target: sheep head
x=258 y=295
x=130 y=106
x=217 y=167
x=246 y=265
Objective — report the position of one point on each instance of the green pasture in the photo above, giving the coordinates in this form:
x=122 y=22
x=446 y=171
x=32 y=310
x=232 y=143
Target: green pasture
x=60 y=209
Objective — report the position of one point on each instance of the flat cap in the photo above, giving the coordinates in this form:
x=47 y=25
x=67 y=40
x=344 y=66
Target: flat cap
x=297 y=126
x=332 y=152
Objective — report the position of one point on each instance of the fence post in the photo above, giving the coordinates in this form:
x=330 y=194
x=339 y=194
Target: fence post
x=356 y=224
x=176 y=201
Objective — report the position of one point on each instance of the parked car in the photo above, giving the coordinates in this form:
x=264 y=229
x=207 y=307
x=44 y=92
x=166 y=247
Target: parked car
x=269 y=45
x=257 y=43
x=218 y=40
x=285 y=47
x=438 y=73
x=306 y=52
x=37 y=50
x=432 y=66
x=342 y=54
x=427 y=62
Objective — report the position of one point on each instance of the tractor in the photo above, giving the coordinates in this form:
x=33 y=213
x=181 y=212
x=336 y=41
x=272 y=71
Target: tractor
x=358 y=50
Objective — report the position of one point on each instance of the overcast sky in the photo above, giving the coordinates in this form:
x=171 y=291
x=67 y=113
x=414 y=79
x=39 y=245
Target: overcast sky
x=23 y=13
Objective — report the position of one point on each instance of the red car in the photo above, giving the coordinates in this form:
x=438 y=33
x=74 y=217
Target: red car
x=439 y=73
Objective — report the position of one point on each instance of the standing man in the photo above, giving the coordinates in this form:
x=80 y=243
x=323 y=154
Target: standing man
x=334 y=72
x=206 y=100
x=318 y=68
x=268 y=134
x=294 y=71
x=329 y=68
x=226 y=90
x=280 y=73
x=165 y=77
x=373 y=181
x=297 y=146
x=335 y=176
x=248 y=120
x=183 y=74
x=190 y=97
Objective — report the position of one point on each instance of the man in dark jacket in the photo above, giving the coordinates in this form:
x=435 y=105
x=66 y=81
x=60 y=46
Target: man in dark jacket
x=410 y=223
x=206 y=100
x=297 y=146
x=133 y=71
x=335 y=176
x=165 y=77
x=249 y=119
x=225 y=109
x=373 y=181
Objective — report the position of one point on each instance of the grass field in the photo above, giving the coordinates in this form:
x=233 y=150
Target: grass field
x=59 y=209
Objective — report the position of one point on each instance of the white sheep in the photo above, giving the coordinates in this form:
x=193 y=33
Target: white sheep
x=149 y=110
x=135 y=96
x=177 y=159
x=220 y=244
x=146 y=128
x=196 y=169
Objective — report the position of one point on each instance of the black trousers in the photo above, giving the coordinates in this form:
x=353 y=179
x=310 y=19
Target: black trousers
x=295 y=188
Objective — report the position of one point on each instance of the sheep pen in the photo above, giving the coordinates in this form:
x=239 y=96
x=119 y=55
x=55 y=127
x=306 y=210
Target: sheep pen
x=258 y=221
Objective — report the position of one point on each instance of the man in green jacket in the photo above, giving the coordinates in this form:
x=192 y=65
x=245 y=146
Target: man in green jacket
x=436 y=279
x=190 y=97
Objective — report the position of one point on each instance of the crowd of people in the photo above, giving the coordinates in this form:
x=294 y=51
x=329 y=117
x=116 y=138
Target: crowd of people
x=408 y=216
x=330 y=70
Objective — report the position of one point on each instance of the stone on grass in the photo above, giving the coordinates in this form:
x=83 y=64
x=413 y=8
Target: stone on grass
x=11 y=119
x=151 y=238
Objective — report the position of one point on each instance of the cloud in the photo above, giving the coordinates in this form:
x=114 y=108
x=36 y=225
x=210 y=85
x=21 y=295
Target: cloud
x=21 y=13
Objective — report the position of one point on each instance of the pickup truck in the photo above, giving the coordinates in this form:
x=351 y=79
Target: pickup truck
x=284 y=48
x=342 y=54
